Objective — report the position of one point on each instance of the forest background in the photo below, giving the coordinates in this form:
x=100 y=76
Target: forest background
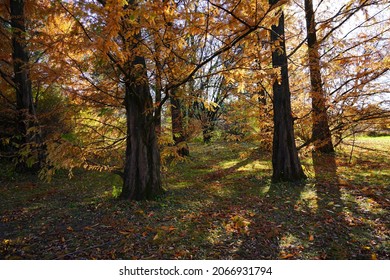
x=257 y=110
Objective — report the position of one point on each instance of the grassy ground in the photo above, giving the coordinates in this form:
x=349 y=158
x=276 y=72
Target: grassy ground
x=220 y=204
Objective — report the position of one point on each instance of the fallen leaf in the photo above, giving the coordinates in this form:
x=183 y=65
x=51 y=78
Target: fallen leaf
x=287 y=256
x=156 y=237
x=168 y=228
x=126 y=232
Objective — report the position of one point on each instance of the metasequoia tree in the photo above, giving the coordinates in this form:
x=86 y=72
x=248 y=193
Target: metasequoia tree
x=141 y=176
x=285 y=161
x=211 y=89
x=321 y=135
x=349 y=37
x=27 y=133
x=357 y=69
x=116 y=128
x=178 y=134
x=125 y=37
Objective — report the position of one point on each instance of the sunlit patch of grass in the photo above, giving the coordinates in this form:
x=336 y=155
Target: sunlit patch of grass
x=307 y=200
x=363 y=149
x=291 y=246
x=228 y=164
x=366 y=204
x=264 y=190
x=255 y=166
x=347 y=197
x=180 y=185
x=375 y=142
x=219 y=189
x=215 y=235
x=288 y=240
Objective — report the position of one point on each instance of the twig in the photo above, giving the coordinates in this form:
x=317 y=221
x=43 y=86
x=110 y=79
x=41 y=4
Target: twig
x=353 y=146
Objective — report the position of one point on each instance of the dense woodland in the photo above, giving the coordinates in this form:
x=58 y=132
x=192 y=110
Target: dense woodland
x=139 y=96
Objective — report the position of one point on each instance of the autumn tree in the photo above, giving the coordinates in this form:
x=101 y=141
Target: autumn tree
x=357 y=67
x=213 y=93
x=285 y=161
x=124 y=43
x=210 y=92
x=321 y=135
x=178 y=134
x=141 y=178
x=352 y=61
x=25 y=141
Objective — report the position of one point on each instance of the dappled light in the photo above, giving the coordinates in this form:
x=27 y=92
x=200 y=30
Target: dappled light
x=207 y=212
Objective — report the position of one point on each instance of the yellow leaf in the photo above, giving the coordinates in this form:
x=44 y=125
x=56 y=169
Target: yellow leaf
x=6 y=241
x=156 y=237
x=241 y=88
x=373 y=256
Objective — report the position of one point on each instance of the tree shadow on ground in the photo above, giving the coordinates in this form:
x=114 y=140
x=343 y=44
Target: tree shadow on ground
x=330 y=232
x=268 y=218
x=255 y=154
x=209 y=212
x=296 y=228
x=278 y=206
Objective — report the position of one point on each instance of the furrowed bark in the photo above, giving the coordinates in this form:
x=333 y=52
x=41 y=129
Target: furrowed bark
x=142 y=179
x=285 y=161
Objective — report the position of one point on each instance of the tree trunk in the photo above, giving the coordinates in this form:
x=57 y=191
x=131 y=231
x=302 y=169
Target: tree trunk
x=321 y=135
x=142 y=178
x=207 y=131
x=285 y=162
x=24 y=102
x=177 y=127
x=262 y=98
x=157 y=111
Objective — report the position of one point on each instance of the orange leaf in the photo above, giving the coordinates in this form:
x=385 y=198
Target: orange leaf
x=169 y=229
x=311 y=237
x=287 y=256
